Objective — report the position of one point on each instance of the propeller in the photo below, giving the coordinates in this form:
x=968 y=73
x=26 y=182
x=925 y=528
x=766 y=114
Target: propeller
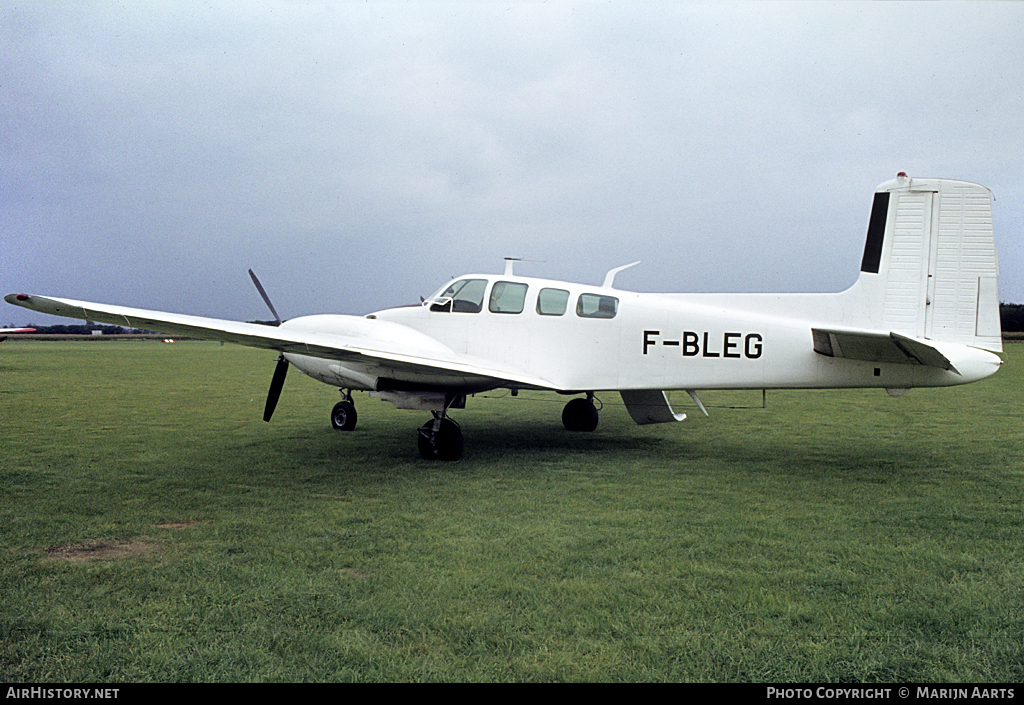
x=281 y=371
x=276 y=384
x=263 y=293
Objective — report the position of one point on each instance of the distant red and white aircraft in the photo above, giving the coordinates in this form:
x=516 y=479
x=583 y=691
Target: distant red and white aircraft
x=14 y=330
x=924 y=312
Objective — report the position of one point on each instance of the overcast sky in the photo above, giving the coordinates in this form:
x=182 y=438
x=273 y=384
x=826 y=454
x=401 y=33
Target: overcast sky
x=358 y=155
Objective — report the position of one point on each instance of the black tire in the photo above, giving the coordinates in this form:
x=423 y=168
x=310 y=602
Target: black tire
x=343 y=416
x=446 y=444
x=579 y=415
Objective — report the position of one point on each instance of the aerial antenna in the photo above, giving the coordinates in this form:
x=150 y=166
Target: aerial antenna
x=510 y=262
x=610 y=276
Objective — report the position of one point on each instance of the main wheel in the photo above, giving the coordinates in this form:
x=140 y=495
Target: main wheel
x=579 y=415
x=343 y=416
x=445 y=444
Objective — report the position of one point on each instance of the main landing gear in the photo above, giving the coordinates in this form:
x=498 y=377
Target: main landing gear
x=343 y=415
x=580 y=414
x=441 y=437
x=438 y=439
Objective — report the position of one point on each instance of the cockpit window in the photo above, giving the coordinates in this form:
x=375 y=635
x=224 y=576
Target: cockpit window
x=507 y=297
x=463 y=296
x=596 y=306
x=552 y=302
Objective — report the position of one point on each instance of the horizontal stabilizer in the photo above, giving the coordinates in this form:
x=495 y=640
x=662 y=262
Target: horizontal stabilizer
x=876 y=346
x=649 y=406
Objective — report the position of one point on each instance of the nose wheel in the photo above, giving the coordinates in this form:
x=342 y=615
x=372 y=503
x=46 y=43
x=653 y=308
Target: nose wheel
x=440 y=439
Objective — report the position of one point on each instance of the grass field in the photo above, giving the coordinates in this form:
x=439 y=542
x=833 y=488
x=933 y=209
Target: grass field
x=155 y=529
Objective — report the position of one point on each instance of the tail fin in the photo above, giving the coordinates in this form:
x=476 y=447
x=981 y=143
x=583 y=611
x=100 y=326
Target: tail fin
x=930 y=268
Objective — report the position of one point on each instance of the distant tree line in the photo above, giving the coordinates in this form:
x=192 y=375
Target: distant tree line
x=1011 y=316
x=87 y=329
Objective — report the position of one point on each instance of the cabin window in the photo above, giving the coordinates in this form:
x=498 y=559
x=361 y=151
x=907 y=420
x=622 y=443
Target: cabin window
x=552 y=302
x=507 y=297
x=596 y=306
x=463 y=296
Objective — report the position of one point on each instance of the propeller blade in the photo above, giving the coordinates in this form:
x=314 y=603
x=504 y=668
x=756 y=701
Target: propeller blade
x=266 y=299
x=276 y=384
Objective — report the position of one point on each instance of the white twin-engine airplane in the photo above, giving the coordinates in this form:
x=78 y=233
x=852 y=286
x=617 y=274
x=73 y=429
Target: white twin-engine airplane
x=923 y=313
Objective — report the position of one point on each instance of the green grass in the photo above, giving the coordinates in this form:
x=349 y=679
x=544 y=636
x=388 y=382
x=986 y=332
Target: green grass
x=155 y=529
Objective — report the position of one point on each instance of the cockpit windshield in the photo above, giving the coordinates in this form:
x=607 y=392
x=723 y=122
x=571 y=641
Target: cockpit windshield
x=462 y=296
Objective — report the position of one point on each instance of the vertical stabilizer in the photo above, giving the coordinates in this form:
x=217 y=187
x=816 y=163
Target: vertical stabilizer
x=929 y=268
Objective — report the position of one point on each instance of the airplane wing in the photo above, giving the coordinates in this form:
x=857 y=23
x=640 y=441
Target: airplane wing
x=878 y=346
x=353 y=338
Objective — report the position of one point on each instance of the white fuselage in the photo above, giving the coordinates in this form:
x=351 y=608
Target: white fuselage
x=650 y=341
